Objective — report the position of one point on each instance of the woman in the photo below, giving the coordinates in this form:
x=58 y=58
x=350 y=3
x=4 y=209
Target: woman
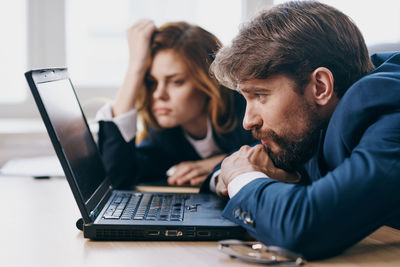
x=189 y=121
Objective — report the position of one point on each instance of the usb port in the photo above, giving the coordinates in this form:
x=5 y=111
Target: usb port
x=153 y=233
x=203 y=233
x=173 y=233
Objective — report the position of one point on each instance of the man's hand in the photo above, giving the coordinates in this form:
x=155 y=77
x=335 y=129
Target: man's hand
x=250 y=159
x=193 y=172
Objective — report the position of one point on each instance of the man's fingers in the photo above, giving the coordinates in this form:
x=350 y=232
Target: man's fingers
x=244 y=148
x=222 y=192
x=221 y=188
x=259 y=148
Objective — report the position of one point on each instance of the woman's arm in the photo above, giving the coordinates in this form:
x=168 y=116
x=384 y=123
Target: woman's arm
x=127 y=164
x=139 y=36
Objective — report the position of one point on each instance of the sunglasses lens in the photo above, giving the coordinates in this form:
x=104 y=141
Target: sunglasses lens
x=258 y=253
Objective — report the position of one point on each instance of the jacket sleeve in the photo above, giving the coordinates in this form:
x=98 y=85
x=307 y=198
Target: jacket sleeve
x=323 y=218
x=127 y=164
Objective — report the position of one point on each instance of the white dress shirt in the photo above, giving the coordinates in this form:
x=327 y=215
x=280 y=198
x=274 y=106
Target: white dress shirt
x=240 y=181
x=237 y=183
x=126 y=124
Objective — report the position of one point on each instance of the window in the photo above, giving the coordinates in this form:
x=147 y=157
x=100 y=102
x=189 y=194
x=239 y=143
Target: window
x=378 y=21
x=89 y=38
x=96 y=46
x=13 y=51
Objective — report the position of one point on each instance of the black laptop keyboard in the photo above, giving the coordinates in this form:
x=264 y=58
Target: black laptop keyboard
x=140 y=206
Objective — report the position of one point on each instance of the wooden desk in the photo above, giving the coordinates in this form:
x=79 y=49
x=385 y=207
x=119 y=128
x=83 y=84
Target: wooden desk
x=37 y=228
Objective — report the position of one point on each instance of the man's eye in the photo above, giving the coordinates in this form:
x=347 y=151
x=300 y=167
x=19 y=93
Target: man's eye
x=260 y=96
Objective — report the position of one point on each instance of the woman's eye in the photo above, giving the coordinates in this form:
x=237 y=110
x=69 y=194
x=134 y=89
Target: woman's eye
x=178 y=82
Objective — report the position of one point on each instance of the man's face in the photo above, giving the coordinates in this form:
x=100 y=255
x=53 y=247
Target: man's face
x=285 y=121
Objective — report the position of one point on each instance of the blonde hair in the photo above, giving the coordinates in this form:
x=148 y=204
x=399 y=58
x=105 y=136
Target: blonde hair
x=197 y=48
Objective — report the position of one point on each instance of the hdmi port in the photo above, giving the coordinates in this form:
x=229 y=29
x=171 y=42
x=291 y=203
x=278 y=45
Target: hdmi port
x=173 y=233
x=153 y=233
x=203 y=233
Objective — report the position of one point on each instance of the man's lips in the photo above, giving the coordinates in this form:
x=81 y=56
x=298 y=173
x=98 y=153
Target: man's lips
x=264 y=141
x=270 y=145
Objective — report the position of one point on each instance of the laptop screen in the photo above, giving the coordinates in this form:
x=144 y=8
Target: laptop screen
x=71 y=129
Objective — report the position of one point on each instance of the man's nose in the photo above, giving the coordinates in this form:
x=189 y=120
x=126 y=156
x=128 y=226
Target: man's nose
x=252 y=119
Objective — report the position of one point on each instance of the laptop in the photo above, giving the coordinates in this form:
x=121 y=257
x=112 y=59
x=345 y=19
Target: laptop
x=107 y=213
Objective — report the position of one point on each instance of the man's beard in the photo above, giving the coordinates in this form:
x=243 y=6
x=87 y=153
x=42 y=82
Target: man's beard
x=294 y=149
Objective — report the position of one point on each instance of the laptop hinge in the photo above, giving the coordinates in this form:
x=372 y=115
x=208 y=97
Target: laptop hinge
x=95 y=212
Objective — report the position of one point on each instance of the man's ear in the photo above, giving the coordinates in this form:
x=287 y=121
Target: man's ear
x=322 y=79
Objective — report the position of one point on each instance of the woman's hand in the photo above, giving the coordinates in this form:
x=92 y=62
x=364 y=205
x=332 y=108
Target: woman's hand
x=193 y=172
x=139 y=41
x=139 y=37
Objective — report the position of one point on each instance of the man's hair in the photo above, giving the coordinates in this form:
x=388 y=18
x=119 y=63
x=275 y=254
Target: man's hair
x=294 y=39
x=196 y=47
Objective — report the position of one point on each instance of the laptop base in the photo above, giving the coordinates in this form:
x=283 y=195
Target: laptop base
x=162 y=233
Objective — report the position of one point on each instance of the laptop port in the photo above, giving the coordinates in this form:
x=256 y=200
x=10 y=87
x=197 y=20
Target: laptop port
x=190 y=234
x=173 y=233
x=203 y=233
x=153 y=233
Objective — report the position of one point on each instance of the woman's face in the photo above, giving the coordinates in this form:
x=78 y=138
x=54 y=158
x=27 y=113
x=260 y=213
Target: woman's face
x=175 y=100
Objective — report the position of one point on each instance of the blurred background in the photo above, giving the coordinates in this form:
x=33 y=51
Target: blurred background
x=88 y=37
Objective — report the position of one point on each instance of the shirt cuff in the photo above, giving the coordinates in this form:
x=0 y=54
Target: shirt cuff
x=240 y=181
x=126 y=122
x=212 y=181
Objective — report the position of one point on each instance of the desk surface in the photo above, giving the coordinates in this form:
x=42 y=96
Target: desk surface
x=38 y=229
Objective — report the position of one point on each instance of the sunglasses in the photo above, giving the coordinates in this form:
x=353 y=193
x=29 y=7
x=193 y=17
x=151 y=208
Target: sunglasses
x=260 y=253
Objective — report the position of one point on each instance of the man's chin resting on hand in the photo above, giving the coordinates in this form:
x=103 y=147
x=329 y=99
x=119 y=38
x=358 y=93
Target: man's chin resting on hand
x=246 y=165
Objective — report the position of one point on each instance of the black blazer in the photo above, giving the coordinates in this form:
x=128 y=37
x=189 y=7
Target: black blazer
x=127 y=164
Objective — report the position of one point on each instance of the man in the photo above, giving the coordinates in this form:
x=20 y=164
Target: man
x=322 y=112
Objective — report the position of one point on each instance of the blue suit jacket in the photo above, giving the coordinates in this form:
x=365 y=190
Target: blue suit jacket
x=127 y=164
x=355 y=176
